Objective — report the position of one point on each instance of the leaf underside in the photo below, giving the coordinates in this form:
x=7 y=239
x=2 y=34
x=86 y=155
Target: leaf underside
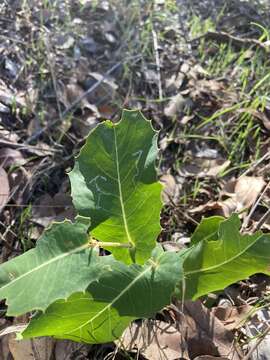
x=114 y=183
x=103 y=312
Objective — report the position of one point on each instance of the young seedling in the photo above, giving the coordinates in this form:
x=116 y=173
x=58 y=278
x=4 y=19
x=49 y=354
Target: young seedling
x=77 y=294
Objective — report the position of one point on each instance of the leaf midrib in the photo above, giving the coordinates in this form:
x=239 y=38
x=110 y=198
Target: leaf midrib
x=122 y=293
x=120 y=191
x=47 y=263
x=224 y=262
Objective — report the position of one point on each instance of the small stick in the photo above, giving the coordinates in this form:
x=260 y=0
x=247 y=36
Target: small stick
x=247 y=219
x=236 y=41
x=262 y=220
x=155 y=42
x=50 y=63
x=80 y=98
x=255 y=164
x=254 y=347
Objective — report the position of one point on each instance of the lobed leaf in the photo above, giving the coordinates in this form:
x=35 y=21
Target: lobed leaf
x=114 y=183
x=207 y=229
x=60 y=265
x=120 y=295
x=213 y=265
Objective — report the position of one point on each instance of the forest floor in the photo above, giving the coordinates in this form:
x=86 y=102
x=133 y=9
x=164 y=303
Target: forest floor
x=200 y=71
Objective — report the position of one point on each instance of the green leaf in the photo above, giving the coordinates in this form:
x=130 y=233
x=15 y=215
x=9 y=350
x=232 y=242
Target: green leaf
x=213 y=265
x=114 y=183
x=122 y=294
x=61 y=264
x=207 y=229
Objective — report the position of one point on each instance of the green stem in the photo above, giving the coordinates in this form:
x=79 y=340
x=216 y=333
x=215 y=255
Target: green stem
x=95 y=243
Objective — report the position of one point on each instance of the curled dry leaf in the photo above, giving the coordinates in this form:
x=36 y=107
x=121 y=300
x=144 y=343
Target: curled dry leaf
x=169 y=189
x=155 y=340
x=175 y=105
x=232 y=316
x=206 y=335
x=11 y=157
x=202 y=167
x=75 y=92
x=4 y=188
x=240 y=194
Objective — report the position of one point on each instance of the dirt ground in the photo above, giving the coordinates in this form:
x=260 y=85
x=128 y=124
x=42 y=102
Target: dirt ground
x=200 y=71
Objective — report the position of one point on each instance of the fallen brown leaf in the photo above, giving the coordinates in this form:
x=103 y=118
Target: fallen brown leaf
x=155 y=340
x=169 y=188
x=4 y=188
x=11 y=157
x=175 y=105
x=68 y=350
x=36 y=349
x=202 y=167
x=232 y=316
x=209 y=357
x=240 y=194
x=205 y=333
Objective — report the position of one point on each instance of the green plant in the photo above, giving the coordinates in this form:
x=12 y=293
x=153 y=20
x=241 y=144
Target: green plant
x=77 y=294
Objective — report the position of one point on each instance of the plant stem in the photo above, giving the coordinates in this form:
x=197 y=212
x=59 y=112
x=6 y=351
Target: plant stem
x=96 y=243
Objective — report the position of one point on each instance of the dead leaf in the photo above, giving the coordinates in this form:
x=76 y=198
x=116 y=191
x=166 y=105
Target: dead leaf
x=155 y=340
x=4 y=349
x=64 y=42
x=48 y=209
x=73 y=93
x=13 y=329
x=262 y=116
x=209 y=357
x=36 y=349
x=4 y=188
x=175 y=106
x=247 y=189
x=174 y=82
x=9 y=136
x=202 y=167
x=19 y=182
x=85 y=123
x=240 y=194
x=169 y=188
x=232 y=316
x=205 y=333
x=43 y=212
x=10 y=157
x=66 y=350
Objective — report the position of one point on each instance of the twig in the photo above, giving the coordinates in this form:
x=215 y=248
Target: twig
x=255 y=164
x=254 y=347
x=30 y=148
x=247 y=219
x=78 y=100
x=155 y=42
x=50 y=63
x=236 y=41
x=262 y=220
